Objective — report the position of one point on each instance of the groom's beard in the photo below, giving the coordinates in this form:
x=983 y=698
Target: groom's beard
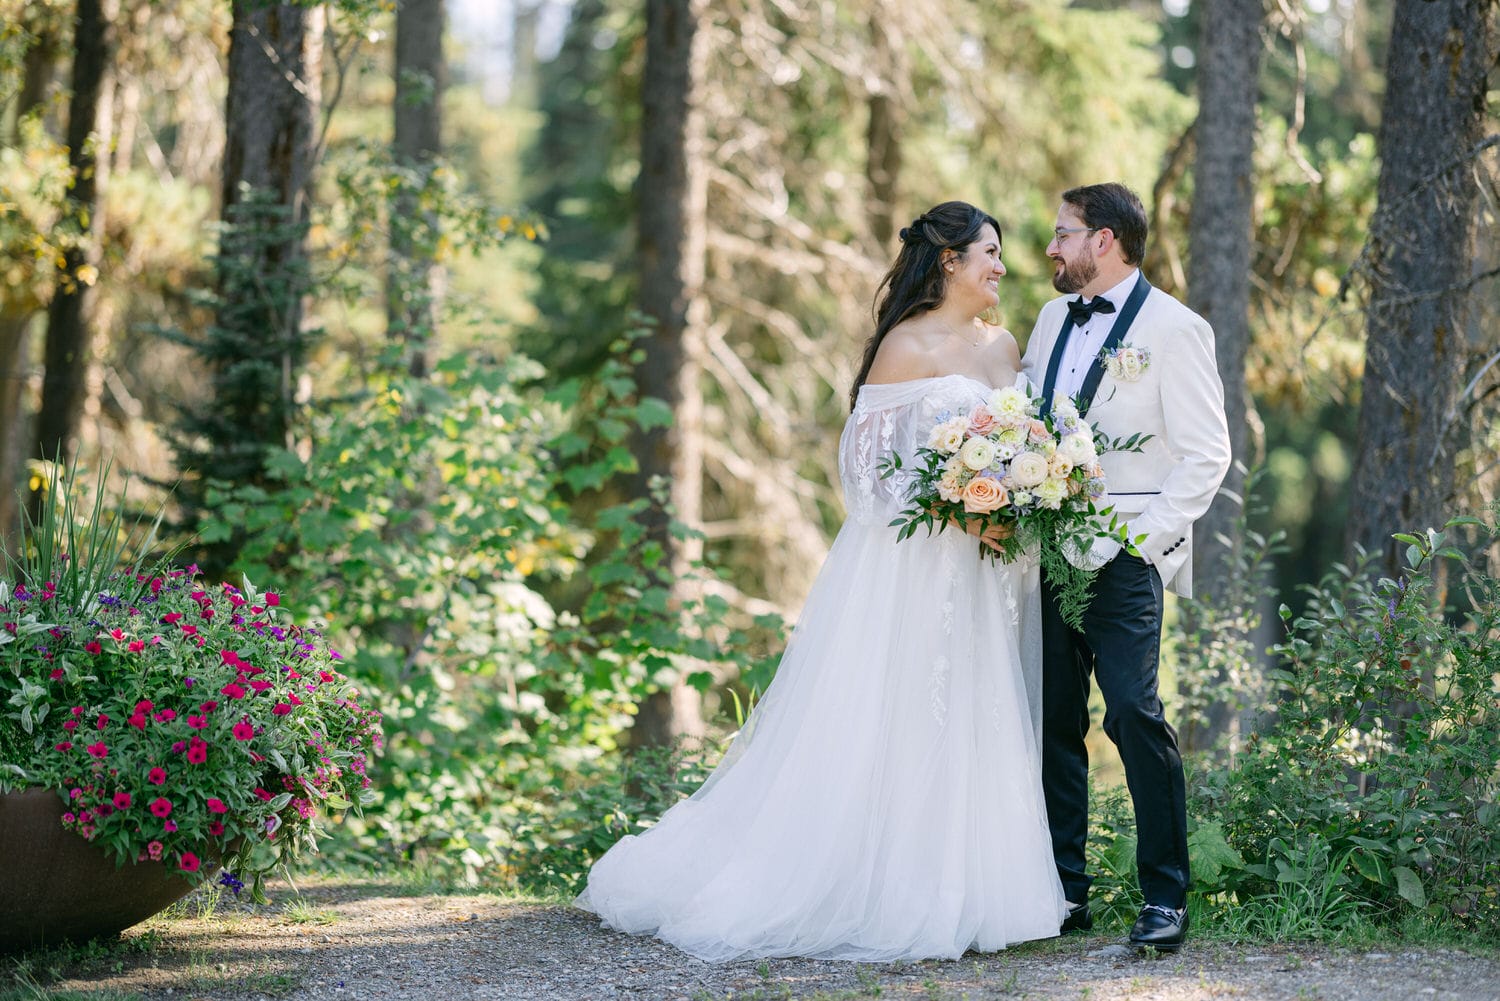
x=1076 y=275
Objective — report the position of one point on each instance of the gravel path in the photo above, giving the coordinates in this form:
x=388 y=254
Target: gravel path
x=342 y=941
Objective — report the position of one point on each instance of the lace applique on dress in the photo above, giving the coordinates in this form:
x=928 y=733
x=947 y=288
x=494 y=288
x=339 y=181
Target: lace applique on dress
x=937 y=687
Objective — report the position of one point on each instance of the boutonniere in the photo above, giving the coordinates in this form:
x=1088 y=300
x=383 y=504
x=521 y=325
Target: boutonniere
x=1127 y=363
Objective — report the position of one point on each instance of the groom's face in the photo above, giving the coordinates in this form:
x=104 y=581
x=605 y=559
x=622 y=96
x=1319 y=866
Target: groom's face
x=1072 y=252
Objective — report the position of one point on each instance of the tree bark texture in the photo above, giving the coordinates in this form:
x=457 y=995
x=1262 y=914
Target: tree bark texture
x=1220 y=228
x=882 y=136
x=255 y=349
x=671 y=195
x=69 y=320
x=414 y=281
x=1419 y=262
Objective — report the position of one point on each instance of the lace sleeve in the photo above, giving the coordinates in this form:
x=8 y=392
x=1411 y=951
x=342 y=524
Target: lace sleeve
x=887 y=420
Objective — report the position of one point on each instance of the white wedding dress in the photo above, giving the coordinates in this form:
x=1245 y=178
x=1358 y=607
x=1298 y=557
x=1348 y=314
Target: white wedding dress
x=884 y=799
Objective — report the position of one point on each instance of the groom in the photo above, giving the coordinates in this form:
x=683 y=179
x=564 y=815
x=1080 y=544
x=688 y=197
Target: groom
x=1137 y=360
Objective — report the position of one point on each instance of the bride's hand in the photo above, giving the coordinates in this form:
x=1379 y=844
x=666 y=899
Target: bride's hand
x=991 y=536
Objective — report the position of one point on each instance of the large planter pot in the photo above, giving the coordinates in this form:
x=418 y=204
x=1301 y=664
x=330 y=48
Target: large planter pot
x=55 y=886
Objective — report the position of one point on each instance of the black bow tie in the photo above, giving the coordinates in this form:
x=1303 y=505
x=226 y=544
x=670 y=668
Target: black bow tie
x=1080 y=311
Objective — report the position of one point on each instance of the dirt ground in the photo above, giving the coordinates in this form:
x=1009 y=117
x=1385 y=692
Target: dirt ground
x=368 y=940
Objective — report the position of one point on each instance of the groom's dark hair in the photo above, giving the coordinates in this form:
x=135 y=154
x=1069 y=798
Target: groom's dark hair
x=1116 y=208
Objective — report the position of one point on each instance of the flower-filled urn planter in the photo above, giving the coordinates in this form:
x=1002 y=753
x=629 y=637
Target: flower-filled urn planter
x=55 y=886
x=154 y=727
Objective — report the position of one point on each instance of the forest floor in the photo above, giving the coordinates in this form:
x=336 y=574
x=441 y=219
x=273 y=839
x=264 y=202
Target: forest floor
x=350 y=939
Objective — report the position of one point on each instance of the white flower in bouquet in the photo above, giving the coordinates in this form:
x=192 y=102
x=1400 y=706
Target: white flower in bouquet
x=1028 y=469
x=1010 y=406
x=1058 y=467
x=1022 y=498
x=1078 y=449
x=948 y=436
x=977 y=453
x=950 y=486
x=1127 y=362
x=1009 y=443
x=1051 y=493
x=1063 y=410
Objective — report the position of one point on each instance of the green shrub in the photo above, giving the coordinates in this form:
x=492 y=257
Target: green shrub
x=1372 y=790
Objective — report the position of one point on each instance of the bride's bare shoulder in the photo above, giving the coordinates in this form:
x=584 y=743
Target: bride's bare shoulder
x=905 y=353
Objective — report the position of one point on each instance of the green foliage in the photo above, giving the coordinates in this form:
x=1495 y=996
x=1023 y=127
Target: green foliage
x=252 y=352
x=431 y=525
x=1373 y=789
x=1219 y=659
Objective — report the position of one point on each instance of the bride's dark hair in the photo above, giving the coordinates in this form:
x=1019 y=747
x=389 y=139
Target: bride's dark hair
x=916 y=283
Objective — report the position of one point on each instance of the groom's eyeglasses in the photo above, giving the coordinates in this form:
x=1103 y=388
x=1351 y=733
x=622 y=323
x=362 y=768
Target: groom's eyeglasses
x=1061 y=233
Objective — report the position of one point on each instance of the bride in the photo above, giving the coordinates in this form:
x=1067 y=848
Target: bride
x=884 y=799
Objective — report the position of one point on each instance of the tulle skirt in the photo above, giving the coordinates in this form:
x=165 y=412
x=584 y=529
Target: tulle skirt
x=884 y=799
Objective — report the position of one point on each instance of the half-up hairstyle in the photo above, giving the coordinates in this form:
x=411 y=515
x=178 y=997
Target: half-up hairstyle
x=917 y=283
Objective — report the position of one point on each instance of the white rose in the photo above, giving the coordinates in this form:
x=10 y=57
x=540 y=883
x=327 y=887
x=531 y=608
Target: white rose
x=1131 y=365
x=1028 y=469
x=977 y=453
x=1051 y=493
x=1078 y=449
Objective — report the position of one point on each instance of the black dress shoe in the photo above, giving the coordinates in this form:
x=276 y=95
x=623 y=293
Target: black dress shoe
x=1160 y=927
x=1078 y=919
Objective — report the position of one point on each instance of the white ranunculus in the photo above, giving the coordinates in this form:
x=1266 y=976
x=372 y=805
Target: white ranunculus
x=1131 y=364
x=977 y=453
x=1051 y=493
x=1058 y=467
x=1028 y=469
x=1078 y=449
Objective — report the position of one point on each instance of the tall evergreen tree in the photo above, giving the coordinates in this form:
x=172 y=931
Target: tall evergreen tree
x=414 y=281
x=1418 y=261
x=671 y=208
x=255 y=348
x=69 y=323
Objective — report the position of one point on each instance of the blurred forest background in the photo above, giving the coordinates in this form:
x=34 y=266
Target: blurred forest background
x=513 y=339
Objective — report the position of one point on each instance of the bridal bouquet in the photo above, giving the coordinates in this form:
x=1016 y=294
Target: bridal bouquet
x=1038 y=478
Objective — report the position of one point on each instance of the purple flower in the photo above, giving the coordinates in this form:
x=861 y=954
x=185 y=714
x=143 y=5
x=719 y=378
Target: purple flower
x=188 y=682
x=225 y=879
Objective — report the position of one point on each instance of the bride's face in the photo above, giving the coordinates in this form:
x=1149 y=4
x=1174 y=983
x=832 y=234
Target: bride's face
x=976 y=271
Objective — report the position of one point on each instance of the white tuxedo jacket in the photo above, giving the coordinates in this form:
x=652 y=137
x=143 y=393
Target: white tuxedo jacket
x=1179 y=400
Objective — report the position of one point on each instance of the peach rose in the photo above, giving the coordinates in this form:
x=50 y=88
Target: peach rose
x=1038 y=431
x=981 y=421
x=983 y=495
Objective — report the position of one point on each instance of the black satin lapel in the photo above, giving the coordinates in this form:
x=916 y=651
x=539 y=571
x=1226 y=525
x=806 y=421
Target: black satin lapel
x=1116 y=335
x=1049 y=384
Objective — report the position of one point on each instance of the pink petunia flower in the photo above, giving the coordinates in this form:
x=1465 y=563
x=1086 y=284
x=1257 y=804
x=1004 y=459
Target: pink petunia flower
x=188 y=862
x=102 y=721
x=215 y=828
x=197 y=751
x=156 y=776
x=98 y=750
x=243 y=730
x=197 y=722
x=281 y=709
x=216 y=805
x=66 y=745
x=93 y=647
x=153 y=850
x=233 y=691
x=122 y=801
x=160 y=807
x=136 y=646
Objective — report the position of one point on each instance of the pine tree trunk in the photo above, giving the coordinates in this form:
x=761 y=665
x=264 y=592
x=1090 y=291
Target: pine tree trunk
x=1420 y=254
x=1220 y=229
x=414 y=283
x=69 y=320
x=258 y=342
x=882 y=135
x=671 y=195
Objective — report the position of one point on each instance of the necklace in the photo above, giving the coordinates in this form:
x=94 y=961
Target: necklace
x=955 y=333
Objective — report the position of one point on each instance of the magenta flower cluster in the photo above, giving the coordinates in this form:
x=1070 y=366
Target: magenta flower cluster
x=183 y=723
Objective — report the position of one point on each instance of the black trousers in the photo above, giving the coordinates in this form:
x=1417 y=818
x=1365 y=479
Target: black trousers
x=1119 y=646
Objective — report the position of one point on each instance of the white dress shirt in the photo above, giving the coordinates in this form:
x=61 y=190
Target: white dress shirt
x=1086 y=341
